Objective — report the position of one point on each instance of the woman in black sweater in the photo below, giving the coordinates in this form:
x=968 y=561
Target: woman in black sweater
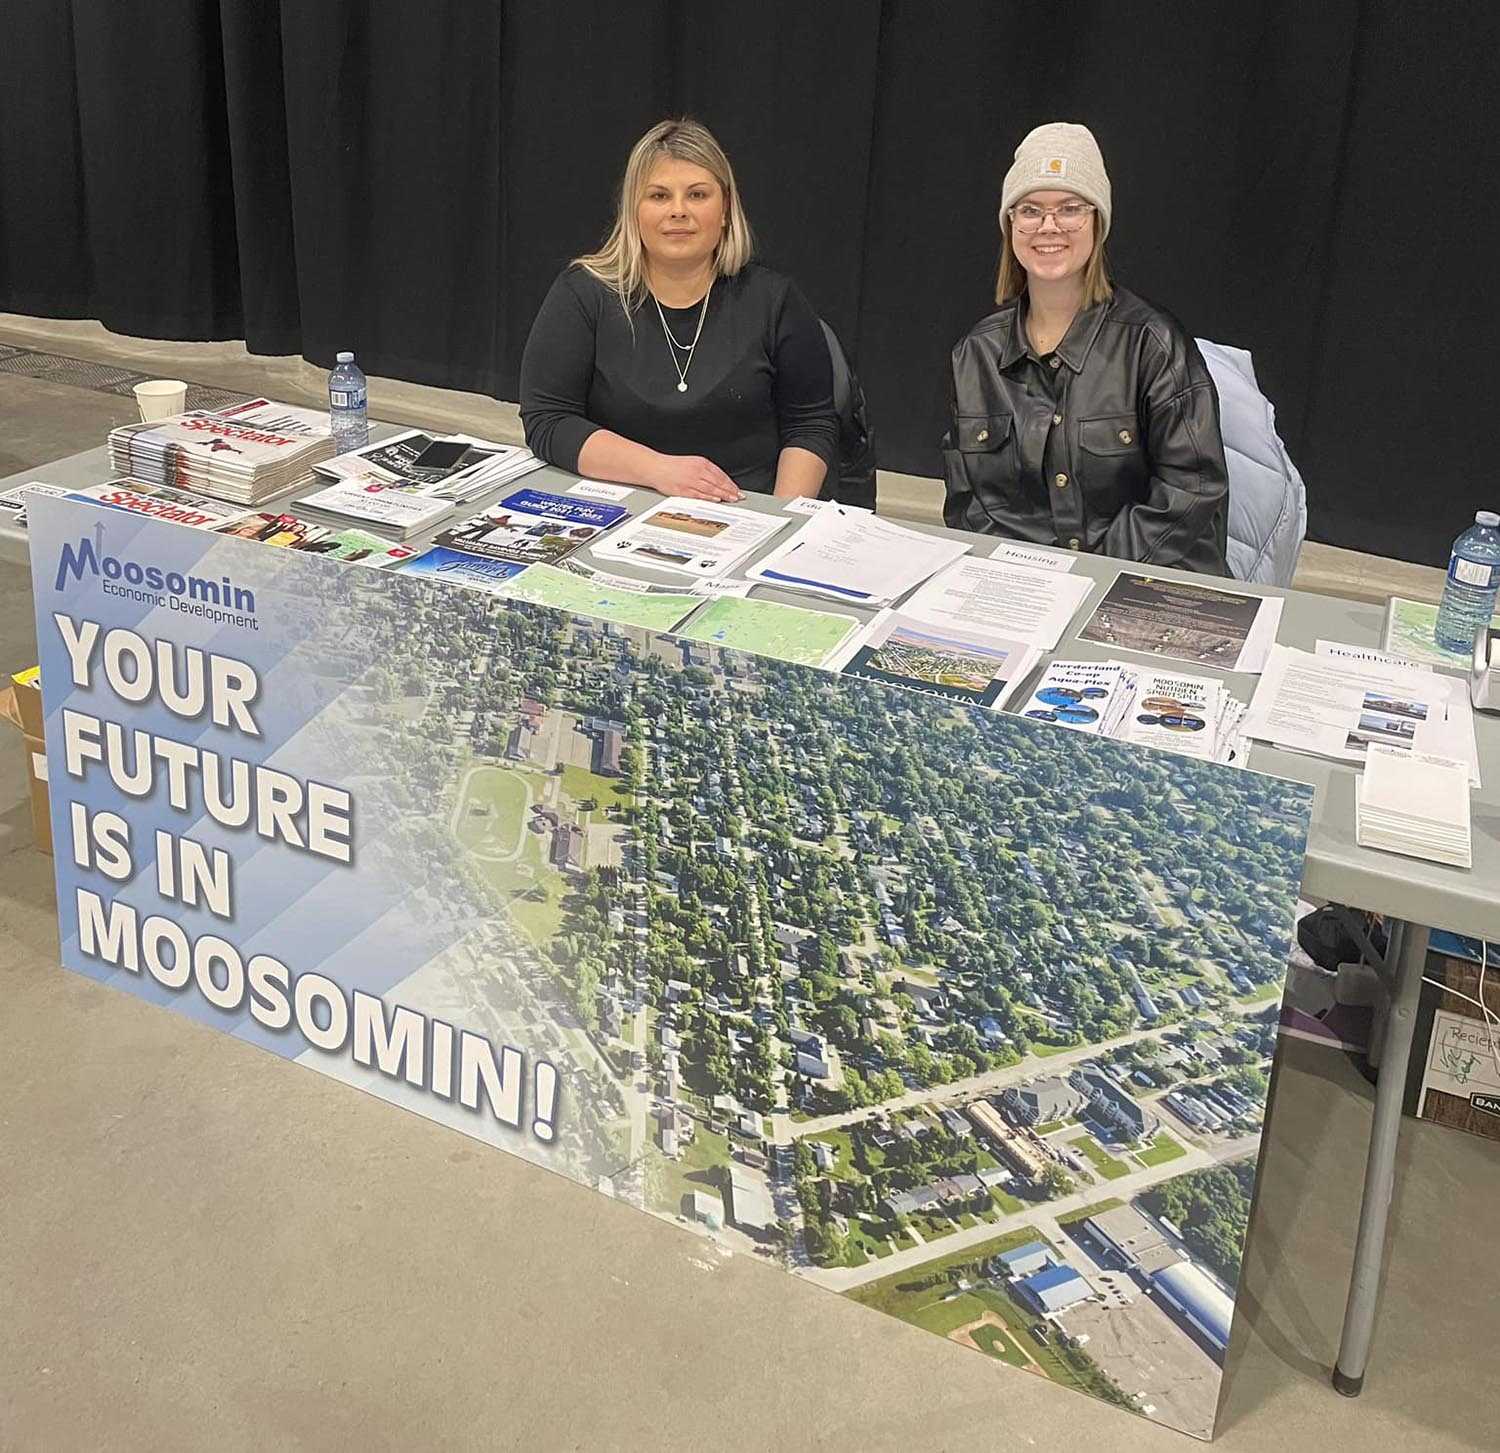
x=668 y=359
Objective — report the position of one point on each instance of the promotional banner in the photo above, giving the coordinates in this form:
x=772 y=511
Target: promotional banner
x=963 y=1017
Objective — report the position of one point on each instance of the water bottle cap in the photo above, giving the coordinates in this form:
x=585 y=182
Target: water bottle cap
x=1487 y=517
x=345 y=356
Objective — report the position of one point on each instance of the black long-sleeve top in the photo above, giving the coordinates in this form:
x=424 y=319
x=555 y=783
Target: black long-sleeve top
x=760 y=379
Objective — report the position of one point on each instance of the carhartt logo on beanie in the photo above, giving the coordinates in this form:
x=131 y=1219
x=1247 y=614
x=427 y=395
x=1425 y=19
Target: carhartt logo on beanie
x=1060 y=156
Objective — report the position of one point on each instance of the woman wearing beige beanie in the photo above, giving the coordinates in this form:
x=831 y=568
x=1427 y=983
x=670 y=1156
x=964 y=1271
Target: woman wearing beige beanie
x=1082 y=416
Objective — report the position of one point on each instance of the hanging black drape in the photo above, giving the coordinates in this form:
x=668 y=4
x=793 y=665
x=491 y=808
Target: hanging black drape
x=405 y=177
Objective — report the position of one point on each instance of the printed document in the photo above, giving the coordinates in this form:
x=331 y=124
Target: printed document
x=1003 y=599
x=1339 y=708
x=856 y=556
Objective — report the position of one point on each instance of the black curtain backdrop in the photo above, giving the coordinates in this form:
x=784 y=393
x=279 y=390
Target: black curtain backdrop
x=405 y=177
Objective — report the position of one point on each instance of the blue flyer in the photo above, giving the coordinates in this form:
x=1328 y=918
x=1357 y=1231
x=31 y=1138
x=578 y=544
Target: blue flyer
x=458 y=568
x=531 y=526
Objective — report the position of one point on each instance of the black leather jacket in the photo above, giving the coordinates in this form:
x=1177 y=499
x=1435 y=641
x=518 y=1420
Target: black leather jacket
x=1109 y=444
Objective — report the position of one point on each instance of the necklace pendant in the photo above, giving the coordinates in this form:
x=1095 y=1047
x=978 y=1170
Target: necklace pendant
x=682 y=385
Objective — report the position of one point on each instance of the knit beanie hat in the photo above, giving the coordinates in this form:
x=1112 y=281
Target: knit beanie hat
x=1061 y=156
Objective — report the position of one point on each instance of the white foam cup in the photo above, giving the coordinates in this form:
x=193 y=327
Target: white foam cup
x=160 y=398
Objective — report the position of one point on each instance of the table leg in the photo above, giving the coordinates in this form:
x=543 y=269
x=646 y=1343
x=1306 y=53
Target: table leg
x=1408 y=955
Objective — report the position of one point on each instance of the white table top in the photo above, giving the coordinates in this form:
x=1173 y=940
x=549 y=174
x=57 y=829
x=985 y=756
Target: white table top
x=1466 y=902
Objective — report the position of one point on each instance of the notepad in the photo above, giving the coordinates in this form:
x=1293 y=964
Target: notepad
x=1415 y=804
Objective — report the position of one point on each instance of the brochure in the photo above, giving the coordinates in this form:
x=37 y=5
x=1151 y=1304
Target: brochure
x=1002 y=598
x=456 y=568
x=401 y=512
x=160 y=502
x=1205 y=624
x=529 y=526
x=969 y=666
x=634 y=585
x=1084 y=696
x=690 y=537
x=1176 y=713
x=856 y=556
x=787 y=632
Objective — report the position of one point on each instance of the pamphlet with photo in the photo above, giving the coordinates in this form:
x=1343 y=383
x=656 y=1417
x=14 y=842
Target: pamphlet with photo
x=532 y=527
x=690 y=537
x=962 y=665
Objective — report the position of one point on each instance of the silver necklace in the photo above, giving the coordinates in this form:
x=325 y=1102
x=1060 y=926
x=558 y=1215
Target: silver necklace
x=687 y=363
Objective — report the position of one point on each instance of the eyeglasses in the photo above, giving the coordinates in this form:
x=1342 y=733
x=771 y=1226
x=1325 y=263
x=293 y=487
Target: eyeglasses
x=1070 y=216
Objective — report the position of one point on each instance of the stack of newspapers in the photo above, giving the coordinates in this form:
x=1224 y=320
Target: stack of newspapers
x=1194 y=716
x=246 y=454
x=160 y=502
x=414 y=480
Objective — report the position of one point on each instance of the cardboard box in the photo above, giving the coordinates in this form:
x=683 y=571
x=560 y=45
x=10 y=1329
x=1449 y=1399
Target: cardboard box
x=1454 y=1077
x=21 y=705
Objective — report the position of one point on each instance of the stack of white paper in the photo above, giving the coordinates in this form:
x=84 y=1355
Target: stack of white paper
x=246 y=453
x=1414 y=804
x=853 y=555
x=1003 y=598
x=398 y=514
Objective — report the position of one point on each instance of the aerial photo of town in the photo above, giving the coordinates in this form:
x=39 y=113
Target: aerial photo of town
x=963 y=1017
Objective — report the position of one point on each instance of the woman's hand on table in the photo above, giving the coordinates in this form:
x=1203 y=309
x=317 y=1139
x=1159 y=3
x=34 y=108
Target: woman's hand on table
x=693 y=477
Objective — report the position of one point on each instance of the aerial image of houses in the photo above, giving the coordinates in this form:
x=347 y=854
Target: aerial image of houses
x=865 y=981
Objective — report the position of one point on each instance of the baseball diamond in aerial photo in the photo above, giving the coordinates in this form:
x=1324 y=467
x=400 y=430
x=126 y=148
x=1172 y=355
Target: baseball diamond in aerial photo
x=854 y=978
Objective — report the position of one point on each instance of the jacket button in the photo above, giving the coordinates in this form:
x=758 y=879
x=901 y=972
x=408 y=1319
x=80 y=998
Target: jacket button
x=1057 y=418
x=982 y=435
x=1056 y=362
x=1126 y=436
x=1061 y=481
x=1075 y=543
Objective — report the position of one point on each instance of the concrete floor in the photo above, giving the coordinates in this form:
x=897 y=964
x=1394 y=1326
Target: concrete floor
x=202 y=1245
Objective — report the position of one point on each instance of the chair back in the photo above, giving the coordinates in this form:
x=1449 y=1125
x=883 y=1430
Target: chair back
x=1267 y=499
x=851 y=479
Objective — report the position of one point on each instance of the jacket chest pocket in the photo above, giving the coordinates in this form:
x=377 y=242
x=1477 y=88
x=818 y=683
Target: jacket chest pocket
x=981 y=433
x=1111 y=434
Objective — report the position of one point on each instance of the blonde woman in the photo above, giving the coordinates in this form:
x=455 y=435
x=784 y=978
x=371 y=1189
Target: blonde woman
x=668 y=359
x=1083 y=416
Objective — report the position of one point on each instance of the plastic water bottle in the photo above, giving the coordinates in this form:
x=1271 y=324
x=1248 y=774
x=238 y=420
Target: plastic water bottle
x=346 y=406
x=1472 y=584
